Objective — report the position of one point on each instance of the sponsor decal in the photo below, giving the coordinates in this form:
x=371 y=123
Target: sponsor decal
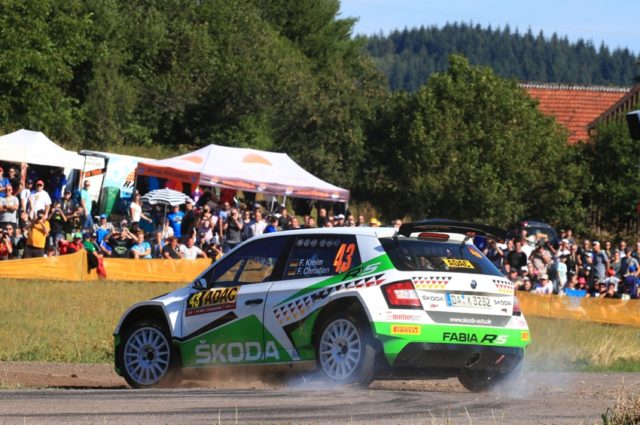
x=458 y=263
x=502 y=302
x=470 y=321
x=212 y=300
x=435 y=298
x=470 y=337
x=390 y=316
x=524 y=335
x=405 y=330
x=235 y=352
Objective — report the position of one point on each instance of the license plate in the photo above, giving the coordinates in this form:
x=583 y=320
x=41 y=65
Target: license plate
x=465 y=300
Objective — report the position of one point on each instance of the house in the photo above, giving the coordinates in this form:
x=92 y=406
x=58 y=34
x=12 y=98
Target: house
x=581 y=108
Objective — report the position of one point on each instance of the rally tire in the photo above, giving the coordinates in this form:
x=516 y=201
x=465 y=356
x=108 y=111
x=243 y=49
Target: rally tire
x=478 y=381
x=345 y=350
x=146 y=357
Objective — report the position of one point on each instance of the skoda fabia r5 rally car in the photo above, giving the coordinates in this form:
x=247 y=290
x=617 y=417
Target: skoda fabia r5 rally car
x=359 y=302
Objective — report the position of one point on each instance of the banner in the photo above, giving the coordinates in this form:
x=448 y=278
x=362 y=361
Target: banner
x=73 y=267
x=603 y=310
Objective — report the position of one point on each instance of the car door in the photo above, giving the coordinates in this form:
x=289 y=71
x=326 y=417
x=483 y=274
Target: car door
x=312 y=264
x=223 y=317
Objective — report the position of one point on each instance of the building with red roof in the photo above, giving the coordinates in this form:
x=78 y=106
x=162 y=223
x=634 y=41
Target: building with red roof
x=581 y=108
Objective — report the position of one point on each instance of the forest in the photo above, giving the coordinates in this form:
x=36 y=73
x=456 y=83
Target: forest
x=408 y=57
x=464 y=142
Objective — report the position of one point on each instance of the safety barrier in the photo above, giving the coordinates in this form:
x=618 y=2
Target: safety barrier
x=73 y=267
x=608 y=310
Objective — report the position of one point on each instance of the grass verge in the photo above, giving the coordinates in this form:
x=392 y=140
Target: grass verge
x=73 y=322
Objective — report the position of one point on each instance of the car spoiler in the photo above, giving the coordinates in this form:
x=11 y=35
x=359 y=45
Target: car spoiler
x=450 y=226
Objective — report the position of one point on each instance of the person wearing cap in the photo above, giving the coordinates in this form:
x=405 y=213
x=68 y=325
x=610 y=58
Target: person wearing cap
x=102 y=228
x=68 y=204
x=544 y=287
x=373 y=222
x=76 y=243
x=9 y=208
x=37 y=238
x=39 y=200
x=86 y=202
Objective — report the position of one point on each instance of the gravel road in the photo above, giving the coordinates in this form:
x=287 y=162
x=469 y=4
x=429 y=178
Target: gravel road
x=93 y=394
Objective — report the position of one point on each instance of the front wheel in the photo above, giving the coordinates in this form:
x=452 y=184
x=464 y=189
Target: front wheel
x=345 y=350
x=147 y=357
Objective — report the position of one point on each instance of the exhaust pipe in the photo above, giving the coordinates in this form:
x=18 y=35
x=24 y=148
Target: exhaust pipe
x=472 y=360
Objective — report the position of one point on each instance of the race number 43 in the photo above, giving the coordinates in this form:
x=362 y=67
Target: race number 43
x=344 y=257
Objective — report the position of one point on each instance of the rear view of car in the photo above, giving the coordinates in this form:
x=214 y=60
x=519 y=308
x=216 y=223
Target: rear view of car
x=459 y=314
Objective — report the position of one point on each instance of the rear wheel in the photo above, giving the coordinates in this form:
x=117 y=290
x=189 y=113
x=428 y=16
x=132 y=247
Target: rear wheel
x=147 y=357
x=345 y=351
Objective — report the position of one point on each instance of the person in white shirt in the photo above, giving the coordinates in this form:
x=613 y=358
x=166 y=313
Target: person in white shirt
x=545 y=286
x=259 y=224
x=40 y=200
x=191 y=251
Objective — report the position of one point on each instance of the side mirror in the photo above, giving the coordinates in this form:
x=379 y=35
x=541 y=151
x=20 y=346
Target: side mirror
x=200 y=284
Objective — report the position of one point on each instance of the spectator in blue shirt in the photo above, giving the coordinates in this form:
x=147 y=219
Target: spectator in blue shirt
x=175 y=221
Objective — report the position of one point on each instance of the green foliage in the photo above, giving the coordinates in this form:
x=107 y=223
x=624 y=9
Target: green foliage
x=472 y=146
x=410 y=56
x=614 y=160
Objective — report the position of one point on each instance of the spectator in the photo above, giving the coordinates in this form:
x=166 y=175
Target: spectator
x=627 y=262
x=273 y=225
x=540 y=257
x=205 y=227
x=67 y=204
x=76 y=244
x=175 y=221
x=9 y=205
x=616 y=263
x=135 y=211
x=516 y=258
x=18 y=241
x=166 y=229
x=561 y=273
x=572 y=262
x=361 y=221
x=37 y=238
x=102 y=229
x=247 y=223
x=190 y=251
x=312 y=223
x=86 y=202
x=213 y=251
x=373 y=222
x=3 y=183
x=121 y=242
x=322 y=217
x=233 y=231
x=284 y=221
x=259 y=224
x=6 y=246
x=172 y=249
x=141 y=248
x=545 y=286
x=157 y=245
x=39 y=200
x=494 y=254
x=14 y=179
x=295 y=224
x=600 y=262
x=190 y=220
x=57 y=223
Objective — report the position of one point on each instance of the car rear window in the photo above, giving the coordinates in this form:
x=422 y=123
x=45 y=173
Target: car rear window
x=414 y=254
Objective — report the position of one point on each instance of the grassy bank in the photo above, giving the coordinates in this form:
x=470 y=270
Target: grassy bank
x=73 y=322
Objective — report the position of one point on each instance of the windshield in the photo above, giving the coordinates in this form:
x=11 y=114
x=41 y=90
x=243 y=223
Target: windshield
x=414 y=254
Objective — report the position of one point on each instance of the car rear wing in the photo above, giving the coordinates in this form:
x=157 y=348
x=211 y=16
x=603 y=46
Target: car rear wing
x=450 y=226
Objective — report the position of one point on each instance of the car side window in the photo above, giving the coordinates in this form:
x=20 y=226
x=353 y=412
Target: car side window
x=252 y=263
x=321 y=255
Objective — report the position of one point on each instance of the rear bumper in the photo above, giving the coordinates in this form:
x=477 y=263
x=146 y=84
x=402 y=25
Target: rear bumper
x=456 y=357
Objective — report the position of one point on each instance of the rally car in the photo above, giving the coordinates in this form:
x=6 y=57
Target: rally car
x=357 y=302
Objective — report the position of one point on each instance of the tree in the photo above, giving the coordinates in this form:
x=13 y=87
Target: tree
x=471 y=146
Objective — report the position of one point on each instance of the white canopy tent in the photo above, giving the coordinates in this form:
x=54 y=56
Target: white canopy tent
x=244 y=169
x=33 y=147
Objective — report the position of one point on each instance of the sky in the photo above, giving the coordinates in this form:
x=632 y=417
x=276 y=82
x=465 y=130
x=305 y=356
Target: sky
x=614 y=22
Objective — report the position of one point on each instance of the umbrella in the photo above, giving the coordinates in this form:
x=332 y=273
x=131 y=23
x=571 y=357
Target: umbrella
x=166 y=197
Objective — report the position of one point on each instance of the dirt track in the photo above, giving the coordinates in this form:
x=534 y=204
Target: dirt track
x=94 y=394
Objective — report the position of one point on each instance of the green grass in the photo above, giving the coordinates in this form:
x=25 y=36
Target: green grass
x=73 y=322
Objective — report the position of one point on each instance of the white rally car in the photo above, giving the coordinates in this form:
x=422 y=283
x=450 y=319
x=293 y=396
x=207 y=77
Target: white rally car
x=359 y=302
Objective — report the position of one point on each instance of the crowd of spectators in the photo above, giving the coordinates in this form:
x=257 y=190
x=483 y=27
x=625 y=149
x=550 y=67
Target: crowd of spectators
x=35 y=224
x=583 y=268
